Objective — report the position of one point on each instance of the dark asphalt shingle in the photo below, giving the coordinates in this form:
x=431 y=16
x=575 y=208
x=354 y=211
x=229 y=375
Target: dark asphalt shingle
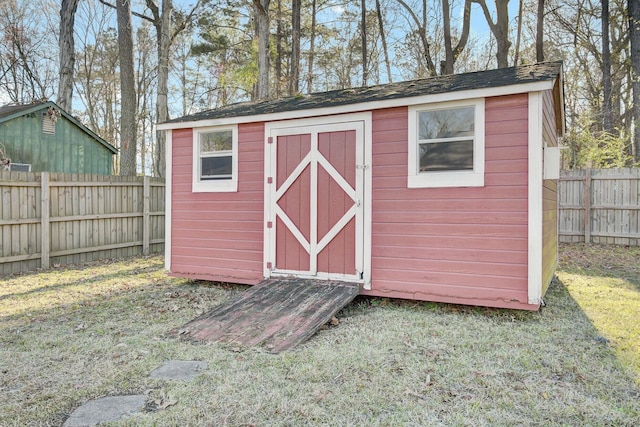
x=430 y=86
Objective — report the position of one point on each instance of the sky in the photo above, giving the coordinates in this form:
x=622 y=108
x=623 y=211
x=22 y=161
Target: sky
x=479 y=26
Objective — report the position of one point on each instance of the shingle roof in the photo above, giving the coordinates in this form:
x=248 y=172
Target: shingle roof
x=434 y=85
x=7 y=110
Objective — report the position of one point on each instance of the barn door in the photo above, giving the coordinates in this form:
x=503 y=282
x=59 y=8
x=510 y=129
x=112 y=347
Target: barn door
x=315 y=201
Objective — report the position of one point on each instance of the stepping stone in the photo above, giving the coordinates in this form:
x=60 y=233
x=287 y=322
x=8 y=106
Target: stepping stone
x=105 y=409
x=179 y=370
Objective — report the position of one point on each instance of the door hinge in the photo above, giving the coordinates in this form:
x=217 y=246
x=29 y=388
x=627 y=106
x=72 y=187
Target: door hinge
x=270 y=140
x=269 y=224
x=269 y=266
x=363 y=167
x=269 y=180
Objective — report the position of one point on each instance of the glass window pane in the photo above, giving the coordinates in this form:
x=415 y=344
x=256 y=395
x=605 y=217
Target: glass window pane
x=216 y=167
x=446 y=156
x=216 y=141
x=451 y=123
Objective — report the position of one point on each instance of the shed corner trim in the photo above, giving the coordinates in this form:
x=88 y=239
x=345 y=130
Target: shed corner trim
x=535 y=182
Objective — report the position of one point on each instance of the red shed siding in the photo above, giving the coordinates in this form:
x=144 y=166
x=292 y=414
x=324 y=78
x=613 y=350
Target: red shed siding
x=461 y=245
x=219 y=236
x=549 y=197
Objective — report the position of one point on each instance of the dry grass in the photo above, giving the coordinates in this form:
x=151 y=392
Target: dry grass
x=71 y=335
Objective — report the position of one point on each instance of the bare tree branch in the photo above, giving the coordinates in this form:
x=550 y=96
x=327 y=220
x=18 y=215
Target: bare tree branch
x=487 y=14
x=464 y=37
x=423 y=37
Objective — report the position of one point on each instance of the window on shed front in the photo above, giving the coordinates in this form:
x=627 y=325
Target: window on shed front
x=215 y=160
x=446 y=145
x=216 y=155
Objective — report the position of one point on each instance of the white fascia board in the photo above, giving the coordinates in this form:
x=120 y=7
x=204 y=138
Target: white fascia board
x=366 y=106
x=167 y=198
x=535 y=243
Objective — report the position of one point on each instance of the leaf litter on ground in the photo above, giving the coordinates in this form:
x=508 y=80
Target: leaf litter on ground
x=77 y=333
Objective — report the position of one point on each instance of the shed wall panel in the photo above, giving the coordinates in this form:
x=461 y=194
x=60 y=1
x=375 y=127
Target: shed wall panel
x=219 y=236
x=460 y=245
x=549 y=197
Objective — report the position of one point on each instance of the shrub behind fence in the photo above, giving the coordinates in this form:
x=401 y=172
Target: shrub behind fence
x=54 y=218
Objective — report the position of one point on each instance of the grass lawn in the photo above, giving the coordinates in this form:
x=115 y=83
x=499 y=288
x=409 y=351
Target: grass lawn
x=605 y=282
x=73 y=334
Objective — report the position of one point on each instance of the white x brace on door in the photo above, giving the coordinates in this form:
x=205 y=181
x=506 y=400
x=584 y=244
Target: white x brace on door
x=315 y=208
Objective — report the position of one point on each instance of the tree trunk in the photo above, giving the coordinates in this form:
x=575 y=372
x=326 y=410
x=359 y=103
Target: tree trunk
x=165 y=36
x=607 y=111
x=363 y=29
x=127 y=90
x=162 y=105
x=279 y=50
x=261 y=8
x=422 y=32
x=516 y=56
x=502 y=33
x=451 y=53
x=383 y=37
x=634 y=36
x=447 y=68
x=312 y=46
x=294 y=78
x=466 y=24
x=539 y=32
x=499 y=29
x=67 y=53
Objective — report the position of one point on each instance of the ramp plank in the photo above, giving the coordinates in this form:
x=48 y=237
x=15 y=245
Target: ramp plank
x=277 y=313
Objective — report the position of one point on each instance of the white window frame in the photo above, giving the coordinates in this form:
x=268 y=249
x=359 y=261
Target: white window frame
x=454 y=178
x=215 y=185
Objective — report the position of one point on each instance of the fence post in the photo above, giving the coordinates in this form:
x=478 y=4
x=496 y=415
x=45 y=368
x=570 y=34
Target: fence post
x=587 y=206
x=146 y=226
x=44 y=220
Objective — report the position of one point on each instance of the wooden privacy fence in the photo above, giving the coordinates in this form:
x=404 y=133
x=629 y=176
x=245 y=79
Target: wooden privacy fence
x=600 y=206
x=54 y=218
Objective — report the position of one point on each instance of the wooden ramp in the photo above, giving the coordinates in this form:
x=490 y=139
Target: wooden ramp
x=276 y=313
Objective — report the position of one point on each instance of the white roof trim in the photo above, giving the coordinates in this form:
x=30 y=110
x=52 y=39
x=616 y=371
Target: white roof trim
x=366 y=106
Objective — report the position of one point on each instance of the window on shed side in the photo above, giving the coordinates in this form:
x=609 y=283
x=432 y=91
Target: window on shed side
x=215 y=160
x=446 y=145
x=445 y=139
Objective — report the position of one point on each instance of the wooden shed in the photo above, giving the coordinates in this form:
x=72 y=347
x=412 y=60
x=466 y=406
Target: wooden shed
x=42 y=137
x=441 y=189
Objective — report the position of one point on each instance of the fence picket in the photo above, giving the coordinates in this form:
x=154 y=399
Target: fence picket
x=45 y=225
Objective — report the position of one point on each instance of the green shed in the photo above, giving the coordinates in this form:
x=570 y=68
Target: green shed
x=42 y=137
